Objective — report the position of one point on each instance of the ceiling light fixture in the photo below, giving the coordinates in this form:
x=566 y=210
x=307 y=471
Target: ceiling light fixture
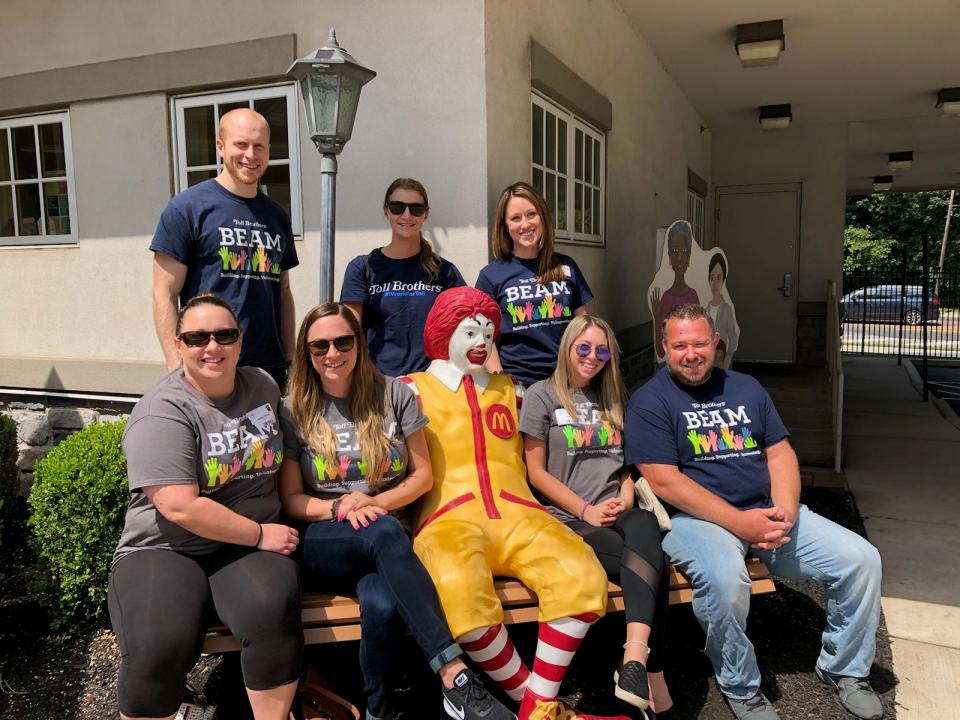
x=775 y=117
x=948 y=100
x=882 y=182
x=900 y=160
x=760 y=43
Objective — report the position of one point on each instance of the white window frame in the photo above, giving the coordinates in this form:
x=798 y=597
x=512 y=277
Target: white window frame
x=574 y=124
x=288 y=91
x=696 y=204
x=43 y=238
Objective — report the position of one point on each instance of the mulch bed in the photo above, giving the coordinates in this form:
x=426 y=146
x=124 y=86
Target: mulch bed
x=46 y=674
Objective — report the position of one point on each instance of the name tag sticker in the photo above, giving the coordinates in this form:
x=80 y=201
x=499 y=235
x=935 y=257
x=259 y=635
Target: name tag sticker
x=262 y=418
x=563 y=417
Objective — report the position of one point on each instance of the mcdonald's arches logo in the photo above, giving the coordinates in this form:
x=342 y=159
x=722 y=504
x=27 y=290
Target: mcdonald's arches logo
x=500 y=421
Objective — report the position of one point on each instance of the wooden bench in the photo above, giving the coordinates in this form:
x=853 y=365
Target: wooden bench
x=336 y=618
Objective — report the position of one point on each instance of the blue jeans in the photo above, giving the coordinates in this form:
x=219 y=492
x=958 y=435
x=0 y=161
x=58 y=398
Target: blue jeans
x=394 y=590
x=847 y=565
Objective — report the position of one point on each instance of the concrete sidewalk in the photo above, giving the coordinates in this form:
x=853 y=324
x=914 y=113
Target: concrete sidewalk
x=901 y=459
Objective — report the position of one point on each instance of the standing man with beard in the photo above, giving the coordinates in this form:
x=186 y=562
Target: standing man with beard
x=711 y=444
x=226 y=237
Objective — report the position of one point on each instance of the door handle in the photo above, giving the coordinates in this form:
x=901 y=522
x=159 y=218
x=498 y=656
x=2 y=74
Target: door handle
x=787 y=287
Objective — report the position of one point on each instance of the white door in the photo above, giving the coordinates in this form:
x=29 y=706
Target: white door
x=758 y=227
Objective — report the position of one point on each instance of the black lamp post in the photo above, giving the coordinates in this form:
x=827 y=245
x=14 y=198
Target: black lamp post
x=330 y=83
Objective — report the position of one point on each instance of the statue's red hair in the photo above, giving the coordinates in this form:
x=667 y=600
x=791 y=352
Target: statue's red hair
x=449 y=310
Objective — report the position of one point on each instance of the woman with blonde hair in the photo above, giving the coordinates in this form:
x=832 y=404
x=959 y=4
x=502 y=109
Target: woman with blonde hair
x=393 y=288
x=355 y=455
x=572 y=425
x=538 y=289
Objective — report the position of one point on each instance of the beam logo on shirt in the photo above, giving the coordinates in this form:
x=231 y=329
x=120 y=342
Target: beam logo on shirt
x=349 y=466
x=242 y=446
x=530 y=301
x=249 y=251
x=588 y=431
x=710 y=431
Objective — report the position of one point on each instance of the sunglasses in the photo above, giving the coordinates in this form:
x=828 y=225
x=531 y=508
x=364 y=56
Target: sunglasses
x=200 y=338
x=603 y=352
x=344 y=343
x=396 y=208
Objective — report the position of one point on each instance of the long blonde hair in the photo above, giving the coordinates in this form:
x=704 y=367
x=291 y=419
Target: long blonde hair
x=368 y=399
x=549 y=268
x=429 y=260
x=608 y=382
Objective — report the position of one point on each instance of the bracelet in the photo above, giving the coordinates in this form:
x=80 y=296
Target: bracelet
x=583 y=510
x=259 y=535
x=334 y=510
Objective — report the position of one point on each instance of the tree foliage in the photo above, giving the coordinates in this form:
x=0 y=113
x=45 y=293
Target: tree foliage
x=883 y=227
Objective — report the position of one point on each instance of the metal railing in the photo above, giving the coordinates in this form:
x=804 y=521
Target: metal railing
x=835 y=367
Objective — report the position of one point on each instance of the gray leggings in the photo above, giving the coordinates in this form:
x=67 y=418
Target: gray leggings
x=161 y=601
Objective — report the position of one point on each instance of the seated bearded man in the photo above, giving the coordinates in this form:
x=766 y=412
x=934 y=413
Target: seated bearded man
x=480 y=518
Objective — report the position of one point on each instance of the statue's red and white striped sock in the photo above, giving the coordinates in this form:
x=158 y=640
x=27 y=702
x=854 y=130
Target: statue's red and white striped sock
x=557 y=642
x=493 y=652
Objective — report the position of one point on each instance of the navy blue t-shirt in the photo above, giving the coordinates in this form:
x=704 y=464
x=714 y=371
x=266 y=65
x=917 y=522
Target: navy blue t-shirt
x=396 y=297
x=534 y=315
x=235 y=247
x=713 y=433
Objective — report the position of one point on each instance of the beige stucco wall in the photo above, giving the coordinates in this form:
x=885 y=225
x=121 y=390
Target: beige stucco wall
x=815 y=156
x=423 y=116
x=655 y=136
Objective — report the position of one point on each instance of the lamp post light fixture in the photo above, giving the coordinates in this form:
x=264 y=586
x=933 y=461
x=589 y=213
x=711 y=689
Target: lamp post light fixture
x=760 y=43
x=775 y=117
x=882 y=183
x=900 y=160
x=330 y=83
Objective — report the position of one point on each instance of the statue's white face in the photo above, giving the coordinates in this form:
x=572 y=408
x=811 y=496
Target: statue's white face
x=471 y=344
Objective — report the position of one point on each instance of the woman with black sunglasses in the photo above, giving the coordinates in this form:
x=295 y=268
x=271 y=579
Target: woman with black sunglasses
x=355 y=456
x=572 y=425
x=203 y=447
x=393 y=288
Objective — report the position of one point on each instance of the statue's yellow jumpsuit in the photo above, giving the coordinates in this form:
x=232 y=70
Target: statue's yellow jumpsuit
x=480 y=519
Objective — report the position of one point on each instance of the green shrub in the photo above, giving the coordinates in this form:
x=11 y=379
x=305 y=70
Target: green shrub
x=78 y=501
x=9 y=474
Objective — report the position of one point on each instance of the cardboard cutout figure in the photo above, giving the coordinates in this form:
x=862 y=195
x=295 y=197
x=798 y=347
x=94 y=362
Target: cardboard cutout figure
x=480 y=518
x=686 y=277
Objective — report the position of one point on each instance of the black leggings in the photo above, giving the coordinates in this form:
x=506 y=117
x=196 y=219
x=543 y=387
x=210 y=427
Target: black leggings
x=161 y=601
x=630 y=552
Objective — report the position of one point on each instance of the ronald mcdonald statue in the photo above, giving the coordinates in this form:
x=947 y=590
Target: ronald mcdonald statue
x=480 y=519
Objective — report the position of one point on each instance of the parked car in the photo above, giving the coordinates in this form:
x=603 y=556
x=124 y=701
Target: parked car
x=889 y=303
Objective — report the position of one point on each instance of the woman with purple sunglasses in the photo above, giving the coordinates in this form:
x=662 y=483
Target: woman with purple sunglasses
x=572 y=425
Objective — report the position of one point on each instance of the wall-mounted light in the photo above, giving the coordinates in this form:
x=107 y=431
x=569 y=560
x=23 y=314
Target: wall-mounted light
x=775 y=117
x=948 y=100
x=900 y=160
x=882 y=182
x=760 y=43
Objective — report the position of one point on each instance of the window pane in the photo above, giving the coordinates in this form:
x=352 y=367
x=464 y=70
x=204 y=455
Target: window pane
x=562 y=147
x=56 y=203
x=6 y=212
x=28 y=203
x=551 y=142
x=198 y=176
x=275 y=184
x=52 y=153
x=561 y=203
x=4 y=156
x=24 y=154
x=577 y=207
x=596 y=162
x=224 y=108
x=578 y=154
x=200 y=132
x=275 y=111
x=538 y=180
x=588 y=161
x=537 y=134
x=596 y=212
x=551 y=181
x=587 y=210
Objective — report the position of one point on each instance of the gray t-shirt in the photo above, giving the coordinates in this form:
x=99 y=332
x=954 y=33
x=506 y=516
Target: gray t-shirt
x=349 y=474
x=230 y=448
x=584 y=453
